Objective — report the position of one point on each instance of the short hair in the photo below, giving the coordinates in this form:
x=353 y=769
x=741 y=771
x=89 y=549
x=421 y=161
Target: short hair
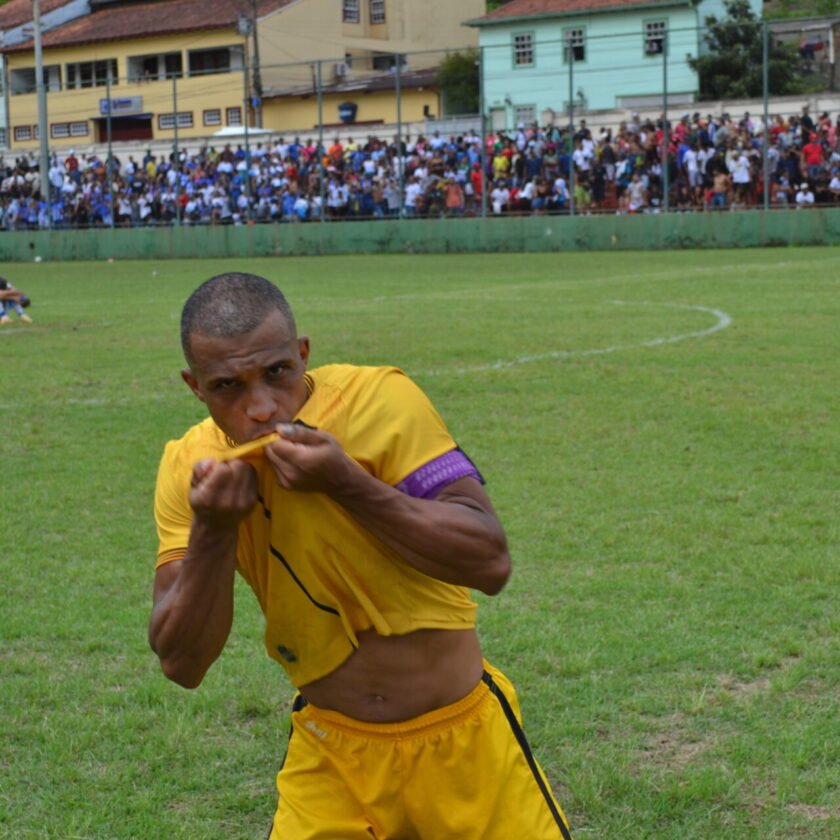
x=229 y=305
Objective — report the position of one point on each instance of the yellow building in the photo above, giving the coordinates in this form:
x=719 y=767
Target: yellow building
x=146 y=70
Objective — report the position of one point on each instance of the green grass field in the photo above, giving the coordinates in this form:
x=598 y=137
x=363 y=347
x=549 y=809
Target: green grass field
x=660 y=436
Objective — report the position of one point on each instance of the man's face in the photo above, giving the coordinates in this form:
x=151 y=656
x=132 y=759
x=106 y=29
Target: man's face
x=251 y=382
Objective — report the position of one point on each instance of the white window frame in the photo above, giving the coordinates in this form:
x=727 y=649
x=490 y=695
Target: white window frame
x=574 y=39
x=233 y=116
x=351 y=11
x=654 y=37
x=524 y=114
x=22 y=133
x=377 y=12
x=73 y=73
x=524 y=52
x=208 y=118
x=167 y=122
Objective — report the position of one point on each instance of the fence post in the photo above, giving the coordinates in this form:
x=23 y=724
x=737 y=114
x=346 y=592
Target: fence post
x=176 y=159
x=43 y=127
x=400 y=162
x=482 y=152
x=765 y=72
x=245 y=104
x=109 y=166
x=665 y=133
x=570 y=58
x=322 y=187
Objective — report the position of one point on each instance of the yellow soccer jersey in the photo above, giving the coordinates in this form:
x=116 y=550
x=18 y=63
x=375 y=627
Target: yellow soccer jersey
x=320 y=577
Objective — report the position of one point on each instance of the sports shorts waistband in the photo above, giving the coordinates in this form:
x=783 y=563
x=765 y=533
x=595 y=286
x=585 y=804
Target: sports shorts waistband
x=437 y=719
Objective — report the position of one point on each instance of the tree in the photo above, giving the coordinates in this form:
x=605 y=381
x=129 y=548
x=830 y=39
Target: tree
x=732 y=69
x=458 y=80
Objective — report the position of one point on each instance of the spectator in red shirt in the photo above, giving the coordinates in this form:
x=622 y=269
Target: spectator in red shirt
x=476 y=179
x=812 y=158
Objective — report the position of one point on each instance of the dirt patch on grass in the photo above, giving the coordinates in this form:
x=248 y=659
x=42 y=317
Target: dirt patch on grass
x=744 y=689
x=673 y=746
x=817 y=813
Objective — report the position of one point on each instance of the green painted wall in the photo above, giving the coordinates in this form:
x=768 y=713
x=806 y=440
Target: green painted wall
x=525 y=233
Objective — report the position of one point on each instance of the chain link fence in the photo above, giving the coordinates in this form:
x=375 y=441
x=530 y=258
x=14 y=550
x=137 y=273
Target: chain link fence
x=653 y=121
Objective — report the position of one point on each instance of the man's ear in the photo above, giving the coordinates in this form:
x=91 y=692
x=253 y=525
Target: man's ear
x=192 y=383
x=303 y=349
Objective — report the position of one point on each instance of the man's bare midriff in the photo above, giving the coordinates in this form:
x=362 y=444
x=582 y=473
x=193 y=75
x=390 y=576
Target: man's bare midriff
x=395 y=678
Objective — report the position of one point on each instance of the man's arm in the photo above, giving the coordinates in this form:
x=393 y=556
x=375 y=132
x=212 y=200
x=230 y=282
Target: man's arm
x=456 y=537
x=193 y=597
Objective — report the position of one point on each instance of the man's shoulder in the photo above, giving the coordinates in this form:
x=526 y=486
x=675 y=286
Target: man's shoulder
x=348 y=377
x=204 y=439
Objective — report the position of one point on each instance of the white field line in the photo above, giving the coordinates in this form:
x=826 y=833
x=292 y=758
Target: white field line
x=110 y=402
x=488 y=293
x=722 y=321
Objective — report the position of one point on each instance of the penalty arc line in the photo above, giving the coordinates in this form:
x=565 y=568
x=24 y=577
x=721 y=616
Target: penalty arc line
x=723 y=320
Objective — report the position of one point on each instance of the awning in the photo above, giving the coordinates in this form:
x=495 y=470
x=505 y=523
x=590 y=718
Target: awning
x=123 y=117
x=241 y=131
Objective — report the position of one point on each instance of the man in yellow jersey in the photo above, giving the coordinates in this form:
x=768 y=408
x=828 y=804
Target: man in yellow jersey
x=342 y=499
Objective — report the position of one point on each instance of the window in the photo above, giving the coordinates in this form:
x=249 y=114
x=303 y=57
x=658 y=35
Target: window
x=655 y=37
x=523 y=49
x=69 y=129
x=213 y=116
x=524 y=114
x=219 y=60
x=23 y=80
x=574 y=45
x=350 y=11
x=23 y=132
x=85 y=74
x=233 y=116
x=148 y=68
x=184 y=120
x=388 y=61
x=377 y=11
x=3 y=140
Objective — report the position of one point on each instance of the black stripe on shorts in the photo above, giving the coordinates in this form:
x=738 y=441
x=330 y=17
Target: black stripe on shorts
x=519 y=734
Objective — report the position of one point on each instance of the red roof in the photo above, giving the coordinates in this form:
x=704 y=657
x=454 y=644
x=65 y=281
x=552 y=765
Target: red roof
x=154 y=17
x=16 y=12
x=546 y=8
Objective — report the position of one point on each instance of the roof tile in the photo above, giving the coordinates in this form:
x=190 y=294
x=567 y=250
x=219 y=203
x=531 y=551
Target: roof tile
x=16 y=12
x=533 y=8
x=154 y=17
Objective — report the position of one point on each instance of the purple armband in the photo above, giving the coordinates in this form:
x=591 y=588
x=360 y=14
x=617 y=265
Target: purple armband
x=427 y=481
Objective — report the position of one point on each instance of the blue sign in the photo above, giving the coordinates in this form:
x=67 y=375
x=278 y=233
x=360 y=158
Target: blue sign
x=126 y=105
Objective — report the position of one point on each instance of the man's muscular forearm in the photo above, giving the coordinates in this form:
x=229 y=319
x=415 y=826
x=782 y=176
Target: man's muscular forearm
x=456 y=538
x=193 y=610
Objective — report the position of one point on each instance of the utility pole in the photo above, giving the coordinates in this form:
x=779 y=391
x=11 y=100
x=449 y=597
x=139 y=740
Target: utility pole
x=42 y=108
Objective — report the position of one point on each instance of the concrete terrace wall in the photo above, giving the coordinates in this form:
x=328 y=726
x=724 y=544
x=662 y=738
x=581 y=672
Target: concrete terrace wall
x=525 y=233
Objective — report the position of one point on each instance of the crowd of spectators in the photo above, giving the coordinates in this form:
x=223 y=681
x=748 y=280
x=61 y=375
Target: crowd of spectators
x=714 y=163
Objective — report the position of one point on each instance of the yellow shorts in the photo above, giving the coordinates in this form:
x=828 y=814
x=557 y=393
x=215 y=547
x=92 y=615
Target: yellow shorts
x=463 y=772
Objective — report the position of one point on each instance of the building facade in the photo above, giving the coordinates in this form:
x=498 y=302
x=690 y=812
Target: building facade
x=544 y=59
x=128 y=70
